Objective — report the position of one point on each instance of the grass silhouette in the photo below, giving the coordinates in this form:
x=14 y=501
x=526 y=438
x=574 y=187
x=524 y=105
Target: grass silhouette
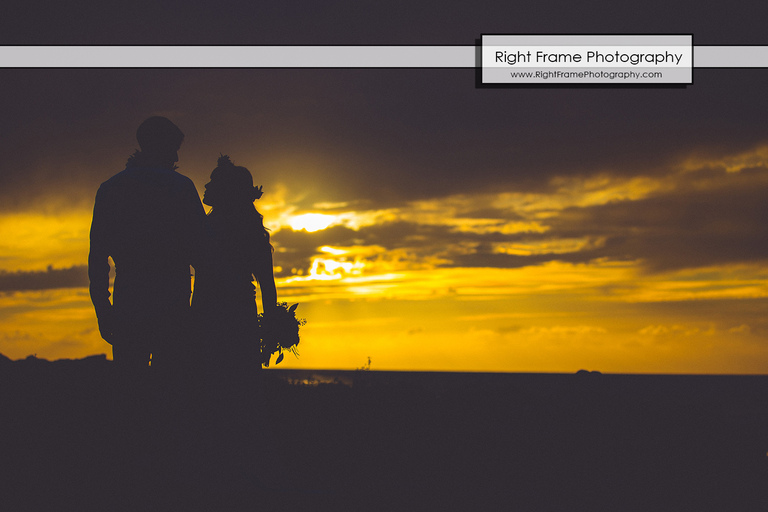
x=76 y=435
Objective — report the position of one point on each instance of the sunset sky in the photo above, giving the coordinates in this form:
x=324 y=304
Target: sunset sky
x=417 y=219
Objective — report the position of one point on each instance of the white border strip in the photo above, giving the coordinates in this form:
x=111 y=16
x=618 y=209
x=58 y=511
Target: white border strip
x=304 y=57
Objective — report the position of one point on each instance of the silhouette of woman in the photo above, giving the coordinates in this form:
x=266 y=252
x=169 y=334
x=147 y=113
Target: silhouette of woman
x=229 y=417
x=238 y=251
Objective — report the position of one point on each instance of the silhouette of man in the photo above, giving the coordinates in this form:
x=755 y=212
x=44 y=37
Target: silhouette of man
x=148 y=219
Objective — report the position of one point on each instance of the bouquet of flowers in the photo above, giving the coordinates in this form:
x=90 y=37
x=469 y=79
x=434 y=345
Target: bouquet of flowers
x=279 y=331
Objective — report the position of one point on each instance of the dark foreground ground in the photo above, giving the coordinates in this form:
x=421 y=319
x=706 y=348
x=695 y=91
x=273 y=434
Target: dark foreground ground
x=74 y=436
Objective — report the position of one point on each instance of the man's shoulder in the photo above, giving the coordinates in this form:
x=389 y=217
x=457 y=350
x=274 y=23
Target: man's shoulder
x=185 y=185
x=148 y=175
x=182 y=178
x=111 y=182
x=172 y=176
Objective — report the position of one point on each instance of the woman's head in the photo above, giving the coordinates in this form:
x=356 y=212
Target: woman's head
x=231 y=186
x=231 y=194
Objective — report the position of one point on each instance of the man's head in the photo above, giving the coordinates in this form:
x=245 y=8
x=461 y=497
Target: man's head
x=160 y=140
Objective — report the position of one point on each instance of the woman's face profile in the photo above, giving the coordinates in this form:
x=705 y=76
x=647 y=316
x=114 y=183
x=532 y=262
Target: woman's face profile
x=221 y=189
x=210 y=195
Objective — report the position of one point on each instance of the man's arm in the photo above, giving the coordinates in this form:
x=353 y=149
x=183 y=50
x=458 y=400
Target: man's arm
x=98 y=269
x=195 y=219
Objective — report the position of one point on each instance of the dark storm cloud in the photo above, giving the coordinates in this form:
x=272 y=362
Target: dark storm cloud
x=686 y=229
x=297 y=248
x=388 y=133
x=710 y=218
x=72 y=277
x=380 y=135
x=707 y=217
x=420 y=243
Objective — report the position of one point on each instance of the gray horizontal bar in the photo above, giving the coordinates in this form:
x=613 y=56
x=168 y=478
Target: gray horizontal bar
x=730 y=56
x=304 y=56
x=237 y=56
x=589 y=40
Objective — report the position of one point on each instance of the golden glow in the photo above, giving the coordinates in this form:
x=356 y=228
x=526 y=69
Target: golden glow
x=323 y=268
x=326 y=269
x=32 y=241
x=314 y=221
x=52 y=324
x=311 y=221
x=561 y=246
x=754 y=158
x=554 y=317
x=402 y=301
x=333 y=250
x=430 y=335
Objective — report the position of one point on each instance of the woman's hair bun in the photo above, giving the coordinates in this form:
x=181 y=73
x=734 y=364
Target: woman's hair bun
x=224 y=161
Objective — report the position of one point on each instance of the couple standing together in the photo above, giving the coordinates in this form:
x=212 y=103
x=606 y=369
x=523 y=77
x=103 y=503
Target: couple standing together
x=149 y=220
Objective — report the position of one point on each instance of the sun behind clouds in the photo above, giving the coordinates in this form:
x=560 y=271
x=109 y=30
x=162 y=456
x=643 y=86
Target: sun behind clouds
x=312 y=222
